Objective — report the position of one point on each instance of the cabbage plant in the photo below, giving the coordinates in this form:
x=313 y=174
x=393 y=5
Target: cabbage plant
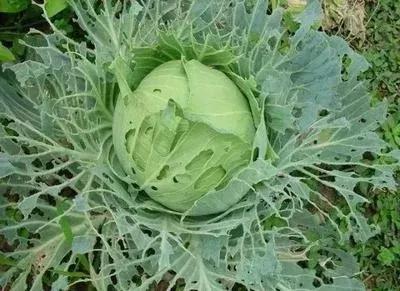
x=187 y=145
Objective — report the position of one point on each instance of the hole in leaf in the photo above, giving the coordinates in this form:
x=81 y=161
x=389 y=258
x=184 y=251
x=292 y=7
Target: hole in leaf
x=68 y=192
x=129 y=140
x=37 y=163
x=182 y=178
x=114 y=280
x=210 y=178
x=157 y=90
x=148 y=130
x=163 y=173
x=200 y=160
x=363 y=120
x=150 y=252
x=323 y=113
x=183 y=127
x=49 y=165
x=330 y=265
x=346 y=61
x=66 y=173
x=38 y=211
x=154 y=188
x=256 y=153
x=316 y=283
x=50 y=199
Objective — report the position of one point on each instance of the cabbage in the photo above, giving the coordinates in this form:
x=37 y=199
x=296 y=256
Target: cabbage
x=195 y=144
x=184 y=131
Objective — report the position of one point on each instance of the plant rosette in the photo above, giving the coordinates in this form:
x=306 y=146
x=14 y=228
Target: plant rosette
x=197 y=144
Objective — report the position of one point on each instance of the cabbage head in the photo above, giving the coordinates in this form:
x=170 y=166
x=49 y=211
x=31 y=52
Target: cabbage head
x=184 y=131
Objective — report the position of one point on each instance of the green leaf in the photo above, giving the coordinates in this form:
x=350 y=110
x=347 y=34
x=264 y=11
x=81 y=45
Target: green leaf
x=82 y=244
x=54 y=7
x=72 y=274
x=386 y=256
x=5 y=54
x=28 y=204
x=6 y=168
x=64 y=223
x=13 y=6
x=396 y=249
x=5 y=261
x=62 y=282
